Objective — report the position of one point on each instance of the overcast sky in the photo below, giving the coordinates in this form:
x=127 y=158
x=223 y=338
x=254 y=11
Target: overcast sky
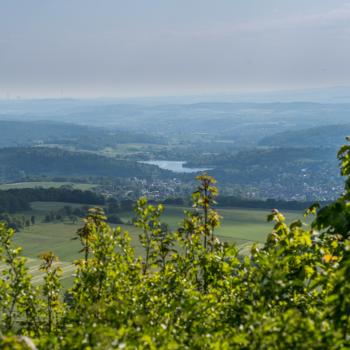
x=169 y=47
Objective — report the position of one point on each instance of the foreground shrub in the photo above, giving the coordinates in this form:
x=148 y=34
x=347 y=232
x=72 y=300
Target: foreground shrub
x=189 y=290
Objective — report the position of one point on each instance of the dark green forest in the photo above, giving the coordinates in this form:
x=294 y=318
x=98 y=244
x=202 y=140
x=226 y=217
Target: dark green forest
x=18 y=163
x=16 y=200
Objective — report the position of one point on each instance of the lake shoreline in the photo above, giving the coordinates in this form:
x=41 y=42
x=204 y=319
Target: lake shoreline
x=174 y=166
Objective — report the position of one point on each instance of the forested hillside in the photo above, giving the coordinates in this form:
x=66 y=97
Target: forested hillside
x=322 y=136
x=17 y=163
x=24 y=133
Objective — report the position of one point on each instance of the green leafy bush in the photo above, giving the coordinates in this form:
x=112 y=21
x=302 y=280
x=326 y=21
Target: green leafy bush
x=189 y=290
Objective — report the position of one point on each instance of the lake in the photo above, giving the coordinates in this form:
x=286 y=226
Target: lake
x=174 y=166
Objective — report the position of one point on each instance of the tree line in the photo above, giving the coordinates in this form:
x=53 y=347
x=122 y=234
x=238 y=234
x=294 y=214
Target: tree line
x=22 y=162
x=239 y=202
x=15 y=200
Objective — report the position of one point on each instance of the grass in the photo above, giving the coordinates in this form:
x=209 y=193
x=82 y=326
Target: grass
x=242 y=226
x=46 y=184
x=57 y=237
x=236 y=224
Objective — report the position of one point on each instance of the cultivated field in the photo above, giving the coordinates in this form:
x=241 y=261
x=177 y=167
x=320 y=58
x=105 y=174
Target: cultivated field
x=242 y=226
x=236 y=224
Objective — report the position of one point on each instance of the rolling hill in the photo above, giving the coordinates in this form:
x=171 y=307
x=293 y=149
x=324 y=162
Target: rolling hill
x=16 y=163
x=322 y=136
x=29 y=133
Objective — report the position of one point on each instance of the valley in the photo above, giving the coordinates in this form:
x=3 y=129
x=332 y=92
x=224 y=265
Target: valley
x=261 y=162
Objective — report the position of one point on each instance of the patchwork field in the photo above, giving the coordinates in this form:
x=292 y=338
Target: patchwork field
x=242 y=226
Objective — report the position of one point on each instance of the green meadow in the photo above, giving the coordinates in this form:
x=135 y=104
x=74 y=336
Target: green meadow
x=242 y=226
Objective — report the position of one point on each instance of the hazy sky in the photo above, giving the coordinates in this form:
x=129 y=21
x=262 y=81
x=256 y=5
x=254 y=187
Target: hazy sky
x=159 y=47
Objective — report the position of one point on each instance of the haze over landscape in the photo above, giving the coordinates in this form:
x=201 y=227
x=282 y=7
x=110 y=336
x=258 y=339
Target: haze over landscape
x=147 y=152
x=84 y=49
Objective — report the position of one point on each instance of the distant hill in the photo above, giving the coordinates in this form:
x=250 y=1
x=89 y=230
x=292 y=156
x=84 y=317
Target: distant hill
x=322 y=136
x=241 y=124
x=16 y=163
x=29 y=133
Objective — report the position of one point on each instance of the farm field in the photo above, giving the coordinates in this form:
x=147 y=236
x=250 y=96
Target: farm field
x=242 y=226
x=59 y=238
x=46 y=184
x=236 y=224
